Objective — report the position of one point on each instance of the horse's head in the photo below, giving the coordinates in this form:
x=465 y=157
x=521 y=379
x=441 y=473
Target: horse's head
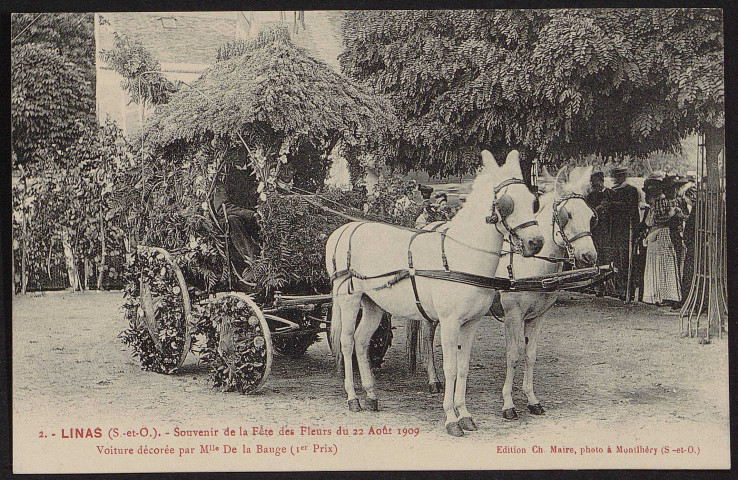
x=573 y=219
x=512 y=210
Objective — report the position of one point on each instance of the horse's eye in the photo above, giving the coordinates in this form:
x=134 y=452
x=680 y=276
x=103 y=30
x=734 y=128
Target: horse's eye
x=536 y=205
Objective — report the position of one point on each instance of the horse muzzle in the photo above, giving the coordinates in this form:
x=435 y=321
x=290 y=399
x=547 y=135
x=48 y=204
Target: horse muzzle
x=587 y=259
x=532 y=246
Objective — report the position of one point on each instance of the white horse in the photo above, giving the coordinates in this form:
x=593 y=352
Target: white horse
x=369 y=264
x=566 y=220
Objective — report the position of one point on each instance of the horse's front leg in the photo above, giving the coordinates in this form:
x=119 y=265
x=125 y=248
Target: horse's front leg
x=428 y=335
x=532 y=334
x=466 y=338
x=449 y=344
x=513 y=346
x=371 y=317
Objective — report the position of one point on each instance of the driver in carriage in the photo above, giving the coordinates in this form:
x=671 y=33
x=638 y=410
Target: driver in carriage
x=232 y=200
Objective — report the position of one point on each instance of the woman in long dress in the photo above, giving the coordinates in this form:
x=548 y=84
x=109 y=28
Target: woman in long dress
x=661 y=282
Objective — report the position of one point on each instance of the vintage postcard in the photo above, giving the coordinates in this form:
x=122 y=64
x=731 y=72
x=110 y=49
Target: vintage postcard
x=369 y=240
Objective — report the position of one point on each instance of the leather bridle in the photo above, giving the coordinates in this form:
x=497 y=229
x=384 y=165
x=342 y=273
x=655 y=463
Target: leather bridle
x=561 y=218
x=503 y=206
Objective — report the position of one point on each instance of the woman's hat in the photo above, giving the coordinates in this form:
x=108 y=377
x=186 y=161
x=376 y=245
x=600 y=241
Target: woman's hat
x=426 y=191
x=674 y=181
x=652 y=185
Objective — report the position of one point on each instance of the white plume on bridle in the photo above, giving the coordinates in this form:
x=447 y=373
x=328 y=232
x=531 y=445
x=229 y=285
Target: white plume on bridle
x=577 y=182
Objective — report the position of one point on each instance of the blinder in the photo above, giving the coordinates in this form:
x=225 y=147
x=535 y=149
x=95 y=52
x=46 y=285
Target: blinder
x=505 y=205
x=563 y=216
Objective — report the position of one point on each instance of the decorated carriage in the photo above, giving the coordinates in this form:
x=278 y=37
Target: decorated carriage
x=193 y=285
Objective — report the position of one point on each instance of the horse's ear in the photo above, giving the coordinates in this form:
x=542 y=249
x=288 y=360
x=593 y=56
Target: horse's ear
x=587 y=174
x=488 y=160
x=512 y=162
x=557 y=182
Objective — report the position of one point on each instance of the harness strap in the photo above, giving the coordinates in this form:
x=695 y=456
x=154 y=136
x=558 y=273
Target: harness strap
x=335 y=251
x=523 y=225
x=348 y=250
x=580 y=235
x=412 y=272
x=497 y=283
x=443 y=250
x=572 y=280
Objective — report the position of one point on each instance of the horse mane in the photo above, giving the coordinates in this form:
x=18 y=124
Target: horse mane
x=480 y=198
x=578 y=187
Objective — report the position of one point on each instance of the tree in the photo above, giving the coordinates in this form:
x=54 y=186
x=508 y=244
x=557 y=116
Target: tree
x=52 y=94
x=556 y=84
x=52 y=82
x=140 y=71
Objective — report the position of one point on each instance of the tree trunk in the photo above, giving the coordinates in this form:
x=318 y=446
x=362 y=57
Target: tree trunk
x=70 y=259
x=24 y=234
x=48 y=258
x=101 y=265
x=87 y=273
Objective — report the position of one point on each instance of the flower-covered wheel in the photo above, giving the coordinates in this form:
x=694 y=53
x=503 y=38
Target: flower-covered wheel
x=158 y=311
x=240 y=353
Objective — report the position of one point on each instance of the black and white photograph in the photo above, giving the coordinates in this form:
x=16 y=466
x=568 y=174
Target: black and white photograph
x=361 y=240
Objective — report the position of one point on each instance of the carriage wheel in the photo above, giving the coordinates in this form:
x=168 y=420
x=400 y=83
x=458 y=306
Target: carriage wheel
x=295 y=344
x=160 y=312
x=379 y=344
x=241 y=359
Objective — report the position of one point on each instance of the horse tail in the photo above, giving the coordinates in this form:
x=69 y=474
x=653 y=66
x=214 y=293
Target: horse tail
x=336 y=332
x=412 y=330
x=419 y=344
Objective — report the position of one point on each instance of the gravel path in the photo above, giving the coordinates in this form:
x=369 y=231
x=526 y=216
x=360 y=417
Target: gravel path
x=608 y=374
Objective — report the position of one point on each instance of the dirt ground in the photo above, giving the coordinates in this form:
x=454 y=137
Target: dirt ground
x=606 y=372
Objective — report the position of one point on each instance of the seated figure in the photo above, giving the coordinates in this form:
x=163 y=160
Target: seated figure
x=242 y=223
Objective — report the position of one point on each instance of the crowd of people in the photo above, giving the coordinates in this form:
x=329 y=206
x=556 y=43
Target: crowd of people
x=650 y=241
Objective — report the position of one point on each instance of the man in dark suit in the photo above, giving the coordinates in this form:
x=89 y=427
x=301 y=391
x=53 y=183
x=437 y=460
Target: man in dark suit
x=597 y=201
x=622 y=208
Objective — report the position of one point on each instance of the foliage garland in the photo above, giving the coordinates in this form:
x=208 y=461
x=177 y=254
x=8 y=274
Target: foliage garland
x=235 y=350
x=153 y=268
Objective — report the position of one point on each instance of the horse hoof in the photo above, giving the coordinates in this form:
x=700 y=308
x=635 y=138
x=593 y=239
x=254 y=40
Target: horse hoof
x=510 y=414
x=454 y=429
x=354 y=405
x=435 y=387
x=371 y=404
x=536 y=409
x=466 y=423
